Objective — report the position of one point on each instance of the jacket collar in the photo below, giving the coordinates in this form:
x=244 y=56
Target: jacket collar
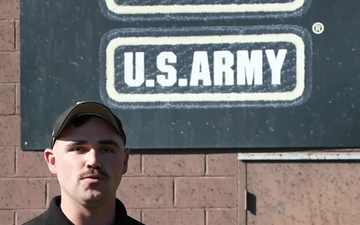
x=54 y=215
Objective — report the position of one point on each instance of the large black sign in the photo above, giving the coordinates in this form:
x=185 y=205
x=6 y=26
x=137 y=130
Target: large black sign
x=196 y=74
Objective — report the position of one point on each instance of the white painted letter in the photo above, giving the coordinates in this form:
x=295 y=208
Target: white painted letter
x=249 y=69
x=200 y=69
x=161 y=61
x=223 y=61
x=276 y=63
x=129 y=78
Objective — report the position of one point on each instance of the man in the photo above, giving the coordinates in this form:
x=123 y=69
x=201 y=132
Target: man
x=89 y=157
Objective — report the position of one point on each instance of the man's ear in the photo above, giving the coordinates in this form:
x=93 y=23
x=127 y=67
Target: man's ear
x=50 y=160
x=126 y=160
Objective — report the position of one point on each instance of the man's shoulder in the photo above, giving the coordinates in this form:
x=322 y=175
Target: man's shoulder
x=134 y=222
x=121 y=214
x=39 y=220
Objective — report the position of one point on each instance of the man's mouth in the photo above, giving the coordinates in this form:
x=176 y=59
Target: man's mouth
x=94 y=177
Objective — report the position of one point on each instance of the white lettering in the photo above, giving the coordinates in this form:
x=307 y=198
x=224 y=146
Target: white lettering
x=129 y=78
x=276 y=64
x=200 y=69
x=223 y=61
x=249 y=69
x=161 y=61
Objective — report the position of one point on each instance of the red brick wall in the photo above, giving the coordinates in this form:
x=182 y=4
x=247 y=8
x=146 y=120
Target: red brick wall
x=196 y=189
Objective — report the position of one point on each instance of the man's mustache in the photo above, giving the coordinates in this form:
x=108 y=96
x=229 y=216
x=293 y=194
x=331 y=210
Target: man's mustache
x=97 y=173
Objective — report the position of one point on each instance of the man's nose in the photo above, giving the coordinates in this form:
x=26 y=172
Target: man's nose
x=92 y=159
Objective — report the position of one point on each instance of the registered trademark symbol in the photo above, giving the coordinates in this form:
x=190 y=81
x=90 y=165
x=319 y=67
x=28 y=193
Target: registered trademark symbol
x=318 y=28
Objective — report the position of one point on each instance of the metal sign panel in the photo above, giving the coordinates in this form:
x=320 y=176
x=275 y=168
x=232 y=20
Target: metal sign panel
x=190 y=9
x=208 y=68
x=195 y=74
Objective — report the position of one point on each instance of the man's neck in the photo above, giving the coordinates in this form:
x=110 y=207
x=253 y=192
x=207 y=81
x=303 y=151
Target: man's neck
x=90 y=214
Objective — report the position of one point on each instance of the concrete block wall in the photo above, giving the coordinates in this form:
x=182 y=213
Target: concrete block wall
x=197 y=189
x=191 y=189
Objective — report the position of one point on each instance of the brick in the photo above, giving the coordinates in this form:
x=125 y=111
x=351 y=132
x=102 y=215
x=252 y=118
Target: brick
x=7 y=161
x=134 y=167
x=17 y=35
x=9 y=9
x=31 y=164
x=17 y=99
x=7 y=99
x=134 y=213
x=7 y=217
x=23 y=216
x=22 y=194
x=10 y=130
x=9 y=67
x=146 y=192
x=174 y=165
x=222 y=216
x=174 y=216
x=7 y=31
x=242 y=188
x=206 y=192
x=53 y=189
x=221 y=164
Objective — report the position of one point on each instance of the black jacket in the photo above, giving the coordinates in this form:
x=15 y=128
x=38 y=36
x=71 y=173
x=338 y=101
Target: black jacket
x=54 y=216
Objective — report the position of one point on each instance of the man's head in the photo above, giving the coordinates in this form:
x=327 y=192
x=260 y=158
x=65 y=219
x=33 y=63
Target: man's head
x=90 y=109
x=88 y=154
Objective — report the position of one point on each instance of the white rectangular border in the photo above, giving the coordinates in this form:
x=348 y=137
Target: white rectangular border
x=205 y=8
x=206 y=97
x=300 y=156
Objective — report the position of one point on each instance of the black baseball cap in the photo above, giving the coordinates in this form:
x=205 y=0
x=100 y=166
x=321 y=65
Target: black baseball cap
x=87 y=108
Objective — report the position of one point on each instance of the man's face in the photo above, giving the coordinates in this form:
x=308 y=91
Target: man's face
x=89 y=161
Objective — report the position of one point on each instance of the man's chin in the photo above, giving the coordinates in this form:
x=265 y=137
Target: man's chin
x=94 y=196
x=95 y=193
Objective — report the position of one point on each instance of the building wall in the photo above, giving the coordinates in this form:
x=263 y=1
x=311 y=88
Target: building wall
x=193 y=189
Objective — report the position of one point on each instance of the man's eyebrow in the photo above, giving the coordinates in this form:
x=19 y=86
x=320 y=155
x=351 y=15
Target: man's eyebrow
x=79 y=142
x=100 y=142
x=108 y=142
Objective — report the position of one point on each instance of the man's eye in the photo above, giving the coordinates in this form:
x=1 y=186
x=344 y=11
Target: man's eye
x=107 y=149
x=78 y=149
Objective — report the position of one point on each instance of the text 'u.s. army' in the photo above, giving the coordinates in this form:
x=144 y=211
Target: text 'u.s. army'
x=242 y=68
